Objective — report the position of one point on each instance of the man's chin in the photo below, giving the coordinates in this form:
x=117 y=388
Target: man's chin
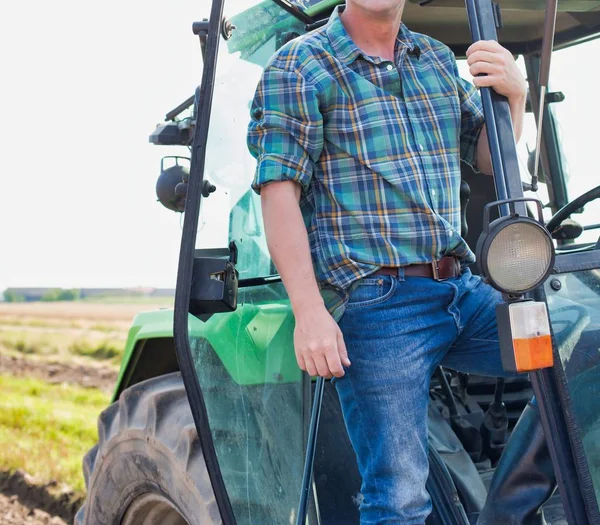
x=380 y=8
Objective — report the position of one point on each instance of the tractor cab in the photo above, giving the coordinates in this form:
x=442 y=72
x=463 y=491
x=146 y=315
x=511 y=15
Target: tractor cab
x=258 y=431
x=237 y=356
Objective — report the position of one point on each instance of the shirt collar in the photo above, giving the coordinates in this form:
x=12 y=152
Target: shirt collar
x=345 y=48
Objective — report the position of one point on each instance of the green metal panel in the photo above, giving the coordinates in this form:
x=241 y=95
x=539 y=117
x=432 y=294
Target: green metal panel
x=262 y=334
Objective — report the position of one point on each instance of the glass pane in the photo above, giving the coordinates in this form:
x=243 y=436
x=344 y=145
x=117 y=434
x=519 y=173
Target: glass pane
x=527 y=142
x=575 y=316
x=578 y=116
x=244 y=360
x=233 y=211
x=253 y=391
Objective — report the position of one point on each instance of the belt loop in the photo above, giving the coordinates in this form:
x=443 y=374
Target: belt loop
x=435 y=270
x=401 y=274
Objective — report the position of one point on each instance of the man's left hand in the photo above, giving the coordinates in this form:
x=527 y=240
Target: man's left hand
x=488 y=57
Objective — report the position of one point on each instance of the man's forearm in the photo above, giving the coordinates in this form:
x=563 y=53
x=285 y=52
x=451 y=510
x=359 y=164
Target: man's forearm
x=517 y=112
x=288 y=243
x=484 y=159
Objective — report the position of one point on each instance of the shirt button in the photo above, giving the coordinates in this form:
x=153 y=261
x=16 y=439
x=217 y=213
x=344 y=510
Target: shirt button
x=389 y=67
x=421 y=148
x=433 y=192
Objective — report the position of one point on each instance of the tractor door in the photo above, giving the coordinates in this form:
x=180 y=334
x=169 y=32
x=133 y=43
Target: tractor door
x=247 y=394
x=249 y=399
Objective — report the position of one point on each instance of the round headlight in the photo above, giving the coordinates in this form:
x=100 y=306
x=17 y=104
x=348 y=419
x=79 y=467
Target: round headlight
x=516 y=255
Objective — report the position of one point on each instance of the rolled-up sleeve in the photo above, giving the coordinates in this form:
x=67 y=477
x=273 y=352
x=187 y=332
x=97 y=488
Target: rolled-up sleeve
x=285 y=133
x=471 y=120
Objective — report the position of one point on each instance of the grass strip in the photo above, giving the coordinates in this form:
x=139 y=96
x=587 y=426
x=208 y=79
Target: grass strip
x=62 y=344
x=46 y=429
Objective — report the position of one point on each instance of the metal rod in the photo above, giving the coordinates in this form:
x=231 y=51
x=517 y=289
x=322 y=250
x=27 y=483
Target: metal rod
x=180 y=109
x=311 y=448
x=544 y=76
x=499 y=391
x=591 y=227
x=441 y=375
x=538 y=139
x=548 y=41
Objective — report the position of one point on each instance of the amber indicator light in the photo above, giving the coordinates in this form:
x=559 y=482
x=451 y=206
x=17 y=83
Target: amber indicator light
x=533 y=354
x=532 y=343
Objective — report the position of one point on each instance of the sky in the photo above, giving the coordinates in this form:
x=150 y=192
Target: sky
x=82 y=86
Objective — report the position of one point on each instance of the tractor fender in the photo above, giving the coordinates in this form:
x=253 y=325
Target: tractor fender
x=149 y=350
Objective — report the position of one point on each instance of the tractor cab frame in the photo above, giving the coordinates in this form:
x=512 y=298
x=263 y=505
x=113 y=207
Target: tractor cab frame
x=268 y=399
x=251 y=437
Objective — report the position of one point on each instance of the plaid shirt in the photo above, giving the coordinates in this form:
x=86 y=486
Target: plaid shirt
x=375 y=145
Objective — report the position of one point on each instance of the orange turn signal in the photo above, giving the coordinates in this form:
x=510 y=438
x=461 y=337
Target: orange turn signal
x=534 y=353
x=524 y=333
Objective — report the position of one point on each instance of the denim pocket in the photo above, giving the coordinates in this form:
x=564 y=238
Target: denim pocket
x=371 y=291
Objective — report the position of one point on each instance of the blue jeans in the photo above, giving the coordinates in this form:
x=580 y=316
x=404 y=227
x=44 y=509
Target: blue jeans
x=397 y=331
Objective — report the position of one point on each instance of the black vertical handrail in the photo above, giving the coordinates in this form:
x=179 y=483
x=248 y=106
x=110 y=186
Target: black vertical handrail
x=500 y=133
x=311 y=448
x=508 y=182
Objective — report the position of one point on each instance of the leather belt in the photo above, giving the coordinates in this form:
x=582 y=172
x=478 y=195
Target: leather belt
x=446 y=268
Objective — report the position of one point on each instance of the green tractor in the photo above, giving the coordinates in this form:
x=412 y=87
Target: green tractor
x=211 y=419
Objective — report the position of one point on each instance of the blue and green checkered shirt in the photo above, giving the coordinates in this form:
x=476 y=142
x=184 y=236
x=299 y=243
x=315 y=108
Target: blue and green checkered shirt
x=375 y=145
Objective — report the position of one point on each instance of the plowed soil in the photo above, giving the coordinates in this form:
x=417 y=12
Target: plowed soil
x=12 y=512
x=86 y=376
x=23 y=501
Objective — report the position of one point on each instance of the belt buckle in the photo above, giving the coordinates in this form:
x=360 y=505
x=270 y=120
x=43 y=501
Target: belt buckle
x=436 y=272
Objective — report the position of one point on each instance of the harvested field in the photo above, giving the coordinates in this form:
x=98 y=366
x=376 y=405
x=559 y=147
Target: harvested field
x=99 y=377
x=81 y=310
x=58 y=366
x=79 y=333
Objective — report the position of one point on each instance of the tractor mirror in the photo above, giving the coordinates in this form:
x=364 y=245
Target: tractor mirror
x=171 y=186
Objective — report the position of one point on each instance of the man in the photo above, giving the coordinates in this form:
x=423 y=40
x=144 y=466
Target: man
x=358 y=129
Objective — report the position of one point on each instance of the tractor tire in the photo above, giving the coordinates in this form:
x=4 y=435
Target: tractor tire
x=148 y=467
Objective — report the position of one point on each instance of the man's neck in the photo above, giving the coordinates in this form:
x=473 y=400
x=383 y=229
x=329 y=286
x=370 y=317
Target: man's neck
x=375 y=34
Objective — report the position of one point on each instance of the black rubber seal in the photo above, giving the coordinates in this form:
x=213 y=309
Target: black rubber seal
x=186 y=261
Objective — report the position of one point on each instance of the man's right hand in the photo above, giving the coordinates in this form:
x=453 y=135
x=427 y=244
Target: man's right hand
x=319 y=343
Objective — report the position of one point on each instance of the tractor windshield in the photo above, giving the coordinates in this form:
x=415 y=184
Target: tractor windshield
x=233 y=211
x=577 y=117
x=573 y=293
x=574 y=308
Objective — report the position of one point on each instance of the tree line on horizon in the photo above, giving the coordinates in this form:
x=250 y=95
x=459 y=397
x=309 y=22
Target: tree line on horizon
x=52 y=294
